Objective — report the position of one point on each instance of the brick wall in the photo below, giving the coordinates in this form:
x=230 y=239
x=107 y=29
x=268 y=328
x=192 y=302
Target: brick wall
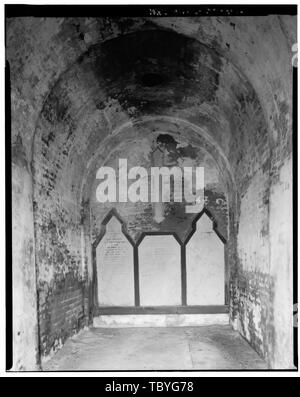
x=69 y=117
x=62 y=311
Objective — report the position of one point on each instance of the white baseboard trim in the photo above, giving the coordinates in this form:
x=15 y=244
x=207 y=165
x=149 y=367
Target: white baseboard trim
x=159 y=320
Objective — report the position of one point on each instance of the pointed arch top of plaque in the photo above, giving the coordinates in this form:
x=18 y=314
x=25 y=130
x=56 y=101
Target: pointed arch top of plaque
x=207 y=216
x=110 y=217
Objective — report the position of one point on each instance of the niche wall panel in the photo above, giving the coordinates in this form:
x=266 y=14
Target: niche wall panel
x=205 y=265
x=159 y=271
x=115 y=267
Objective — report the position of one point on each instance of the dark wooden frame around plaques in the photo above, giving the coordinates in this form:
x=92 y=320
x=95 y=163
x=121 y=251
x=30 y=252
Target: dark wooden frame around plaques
x=137 y=309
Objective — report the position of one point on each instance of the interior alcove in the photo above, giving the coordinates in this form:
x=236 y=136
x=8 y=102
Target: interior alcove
x=137 y=141
x=99 y=104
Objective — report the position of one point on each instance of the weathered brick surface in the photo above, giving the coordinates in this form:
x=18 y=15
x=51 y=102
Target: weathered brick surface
x=61 y=311
x=139 y=216
x=77 y=96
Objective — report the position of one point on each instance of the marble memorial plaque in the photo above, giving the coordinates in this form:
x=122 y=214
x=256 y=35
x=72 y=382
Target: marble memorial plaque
x=115 y=274
x=205 y=266
x=160 y=271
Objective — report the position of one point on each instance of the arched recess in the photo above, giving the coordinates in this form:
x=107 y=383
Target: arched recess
x=84 y=113
x=235 y=107
x=133 y=133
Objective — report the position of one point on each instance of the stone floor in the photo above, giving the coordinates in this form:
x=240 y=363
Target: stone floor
x=182 y=348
